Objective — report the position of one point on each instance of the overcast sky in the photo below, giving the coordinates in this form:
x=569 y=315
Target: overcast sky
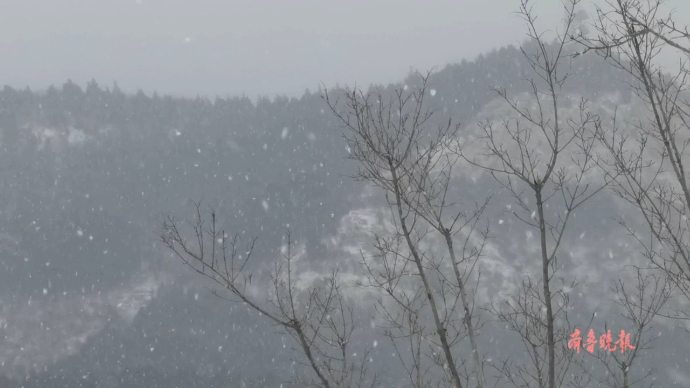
x=257 y=47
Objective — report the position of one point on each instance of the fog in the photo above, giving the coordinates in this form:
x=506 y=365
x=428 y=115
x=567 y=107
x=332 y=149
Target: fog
x=267 y=47
x=334 y=238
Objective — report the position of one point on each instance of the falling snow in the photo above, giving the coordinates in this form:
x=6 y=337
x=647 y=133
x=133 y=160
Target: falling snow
x=110 y=165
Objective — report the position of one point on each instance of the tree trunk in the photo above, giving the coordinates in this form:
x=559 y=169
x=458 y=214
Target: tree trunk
x=418 y=261
x=478 y=370
x=547 y=291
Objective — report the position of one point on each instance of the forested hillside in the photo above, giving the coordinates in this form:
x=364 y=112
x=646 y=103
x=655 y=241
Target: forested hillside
x=91 y=298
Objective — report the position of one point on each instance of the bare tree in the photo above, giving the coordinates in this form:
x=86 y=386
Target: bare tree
x=317 y=317
x=400 y=151
x=404 y=324
x=549 y=156
x=640 y=307
x=647 y=162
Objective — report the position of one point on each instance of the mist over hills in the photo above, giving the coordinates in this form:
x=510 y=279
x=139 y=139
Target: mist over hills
x=90 y=298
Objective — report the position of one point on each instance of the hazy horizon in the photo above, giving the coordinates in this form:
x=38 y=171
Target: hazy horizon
x=261 y=48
